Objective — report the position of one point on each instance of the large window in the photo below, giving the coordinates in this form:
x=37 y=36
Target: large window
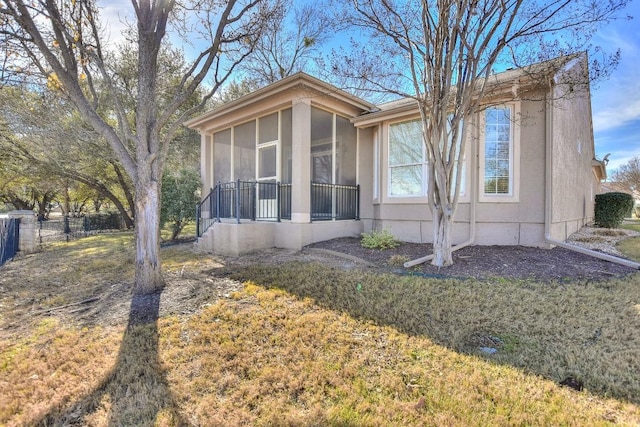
x=498 y=151
x=407 y=160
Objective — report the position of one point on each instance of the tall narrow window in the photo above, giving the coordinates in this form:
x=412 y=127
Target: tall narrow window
x=376 y=164
x=407 y=161
x=498 y=151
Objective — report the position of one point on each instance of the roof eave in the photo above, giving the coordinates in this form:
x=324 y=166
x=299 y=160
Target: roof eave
x=298 y=79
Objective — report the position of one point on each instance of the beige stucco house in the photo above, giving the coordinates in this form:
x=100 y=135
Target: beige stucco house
x=302 y=161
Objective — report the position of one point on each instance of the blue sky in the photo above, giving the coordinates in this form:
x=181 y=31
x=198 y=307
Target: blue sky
x=615 y=102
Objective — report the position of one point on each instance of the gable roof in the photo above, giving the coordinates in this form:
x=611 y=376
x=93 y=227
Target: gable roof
x=506 y=83
x=297 y=80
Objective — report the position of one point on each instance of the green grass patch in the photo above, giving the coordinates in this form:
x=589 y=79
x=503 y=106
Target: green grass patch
x=635 y=226
x=630 y=248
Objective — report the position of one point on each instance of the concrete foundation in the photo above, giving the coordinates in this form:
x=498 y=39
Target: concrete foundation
x=233 y=239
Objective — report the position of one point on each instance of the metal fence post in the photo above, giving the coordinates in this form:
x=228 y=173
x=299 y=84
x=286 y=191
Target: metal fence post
x=218 y=202
x=358 y=201
x=198 y=220
x=278 y=201
x=254 y=204
x=238 y=201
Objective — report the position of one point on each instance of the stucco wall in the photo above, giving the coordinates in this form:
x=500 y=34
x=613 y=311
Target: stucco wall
x=513 y=221
x=572 y=153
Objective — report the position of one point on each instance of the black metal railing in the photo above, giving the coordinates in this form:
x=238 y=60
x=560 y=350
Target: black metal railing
x=271 y=201
x=252 y=200
x=334 y=201
x=67 y=228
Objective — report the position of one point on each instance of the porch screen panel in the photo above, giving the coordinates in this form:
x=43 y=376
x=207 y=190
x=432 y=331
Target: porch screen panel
x=321 y=146
x=268 y=128
x=346 y=142
x=244 y=152
x=222 y=156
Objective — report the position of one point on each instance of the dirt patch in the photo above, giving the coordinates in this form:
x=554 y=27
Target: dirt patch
x=483 y=262
x=50 y=284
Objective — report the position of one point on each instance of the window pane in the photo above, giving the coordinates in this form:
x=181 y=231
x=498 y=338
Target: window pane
x=405 y=143
x=244 y=151
x=222 y=156
x=268 y=128
x=498 y=143
x=267 y=162
x=321 y=168
x=345 y=152
x=406 y=181
x=502 y=186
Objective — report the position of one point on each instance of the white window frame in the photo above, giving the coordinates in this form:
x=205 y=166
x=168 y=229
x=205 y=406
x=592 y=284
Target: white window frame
x=422 y=164
x=514 y=158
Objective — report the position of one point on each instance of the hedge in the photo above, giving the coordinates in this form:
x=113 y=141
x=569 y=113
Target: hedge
x=611 y=208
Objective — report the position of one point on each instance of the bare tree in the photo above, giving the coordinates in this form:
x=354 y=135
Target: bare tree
x=291 y=44
x=627 y=177
x=443 y=53
x=63 y=41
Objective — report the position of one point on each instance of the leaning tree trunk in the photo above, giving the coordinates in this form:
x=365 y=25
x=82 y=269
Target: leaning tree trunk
x=442 y=253
x=148 y=277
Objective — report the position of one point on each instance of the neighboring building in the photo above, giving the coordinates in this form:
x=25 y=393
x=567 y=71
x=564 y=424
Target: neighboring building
x=302 y=161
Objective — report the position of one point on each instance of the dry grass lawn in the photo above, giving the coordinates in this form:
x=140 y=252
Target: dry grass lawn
x=307 y=344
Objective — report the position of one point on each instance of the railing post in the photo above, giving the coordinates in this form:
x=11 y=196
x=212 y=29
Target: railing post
x=334 y=201
x=218 y=202
x=238 y=201
x=198 y=219
x=358 y=201
x=278 y=213
x=255 y=190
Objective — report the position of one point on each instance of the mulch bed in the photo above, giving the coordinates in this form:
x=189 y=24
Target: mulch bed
x=485 y=262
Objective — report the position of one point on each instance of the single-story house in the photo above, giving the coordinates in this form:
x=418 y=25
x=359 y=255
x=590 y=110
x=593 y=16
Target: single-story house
x=301 y=161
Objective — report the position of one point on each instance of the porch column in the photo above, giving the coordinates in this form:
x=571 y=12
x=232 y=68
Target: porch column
x=206 y=163
x=300 y=161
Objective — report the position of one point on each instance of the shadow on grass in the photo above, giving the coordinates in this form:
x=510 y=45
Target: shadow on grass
x=586 y=332
x=135 y=392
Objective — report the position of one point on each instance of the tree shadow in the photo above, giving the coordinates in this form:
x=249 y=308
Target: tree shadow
x=136 y=391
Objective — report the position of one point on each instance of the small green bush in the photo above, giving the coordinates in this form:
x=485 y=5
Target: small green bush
x=379 y=240
x=611 y=208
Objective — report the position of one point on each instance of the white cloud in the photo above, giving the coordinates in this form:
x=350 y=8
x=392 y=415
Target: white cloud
x=625 y=110
x=115 y=16
x=613 y=101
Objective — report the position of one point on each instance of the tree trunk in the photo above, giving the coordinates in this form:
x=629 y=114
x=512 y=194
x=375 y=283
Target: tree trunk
x=148 y=278
x=442 y=253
